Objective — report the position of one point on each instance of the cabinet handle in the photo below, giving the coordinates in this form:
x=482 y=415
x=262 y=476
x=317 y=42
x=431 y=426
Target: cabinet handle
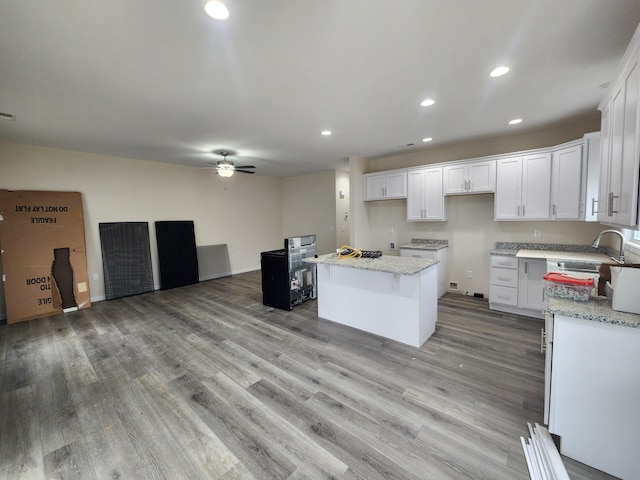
x=518 y=210
x=611 y=210
x=504 y=297
x=554 y=209
x=526 y=267
x=543 y=343
x=523 y=211
x=504 y=279
x=464 y=185
x=470 y=186
x=593 y=206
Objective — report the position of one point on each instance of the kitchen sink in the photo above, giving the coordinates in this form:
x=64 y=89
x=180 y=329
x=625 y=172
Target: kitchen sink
x=574 y=266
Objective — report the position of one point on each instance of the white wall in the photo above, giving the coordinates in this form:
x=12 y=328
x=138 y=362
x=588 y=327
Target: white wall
x=244 y=211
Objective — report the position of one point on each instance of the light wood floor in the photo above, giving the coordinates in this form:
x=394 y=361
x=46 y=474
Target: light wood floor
x=205 y=382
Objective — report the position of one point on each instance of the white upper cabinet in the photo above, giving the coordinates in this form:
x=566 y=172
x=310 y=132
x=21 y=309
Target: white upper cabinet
x=385 y=186
x=620 y=149
x=567 y=179
x=470 y=177
x=523 y=187
x=425 y=201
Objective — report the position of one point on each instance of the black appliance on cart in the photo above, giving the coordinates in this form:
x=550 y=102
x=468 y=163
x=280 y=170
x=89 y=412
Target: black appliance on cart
x=286 y=280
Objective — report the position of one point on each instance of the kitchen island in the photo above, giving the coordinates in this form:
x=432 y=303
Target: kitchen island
x=394 y=297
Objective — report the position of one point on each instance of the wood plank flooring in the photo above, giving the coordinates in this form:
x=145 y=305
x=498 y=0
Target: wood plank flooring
x=205 y=382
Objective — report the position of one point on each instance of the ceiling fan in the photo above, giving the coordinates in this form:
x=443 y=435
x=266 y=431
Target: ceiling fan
x=226 y=168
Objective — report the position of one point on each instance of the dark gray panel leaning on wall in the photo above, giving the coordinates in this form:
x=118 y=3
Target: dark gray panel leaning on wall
x=126 y=259
x=177 y=255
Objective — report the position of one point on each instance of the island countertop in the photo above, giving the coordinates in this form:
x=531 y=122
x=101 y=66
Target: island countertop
x=385 y=263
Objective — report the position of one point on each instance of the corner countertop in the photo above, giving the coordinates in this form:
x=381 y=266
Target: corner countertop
x=425 y=244
x=563 y=255
x=597 y=310
x=385 y=263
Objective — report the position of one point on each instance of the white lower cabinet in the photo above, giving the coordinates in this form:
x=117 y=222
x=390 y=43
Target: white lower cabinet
x=503 y=288
x=530 y=287
x=595 y=393
x=440 y=255
x=516 y=285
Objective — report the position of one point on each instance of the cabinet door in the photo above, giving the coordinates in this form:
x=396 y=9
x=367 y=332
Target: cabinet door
x=536 y=186
x=605 y=164
x=591 y=153
x=508 y=188
x=566 y=178
x=530 y=286
x=482 y=177
x=415 y=195
x=455 y=179
x=396 y=185
x=619 y=202
x=374 y=187
x=434 y=200
x=630 y=163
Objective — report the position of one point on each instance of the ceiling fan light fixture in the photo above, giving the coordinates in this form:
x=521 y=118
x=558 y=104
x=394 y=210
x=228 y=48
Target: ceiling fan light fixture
x=216 y=9
x=226 y=172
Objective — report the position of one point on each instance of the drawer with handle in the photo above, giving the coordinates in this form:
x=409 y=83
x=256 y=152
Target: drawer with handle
x=504 y=262
x=503 y=295
x=504 y=277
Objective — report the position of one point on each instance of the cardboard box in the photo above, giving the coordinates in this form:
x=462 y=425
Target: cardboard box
x=43 y=253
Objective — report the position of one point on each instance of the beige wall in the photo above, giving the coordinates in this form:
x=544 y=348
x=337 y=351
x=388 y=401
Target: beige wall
x=470 y=229
x=343 y=216
x=548 y=136
x=245 y=211
x=309 y=207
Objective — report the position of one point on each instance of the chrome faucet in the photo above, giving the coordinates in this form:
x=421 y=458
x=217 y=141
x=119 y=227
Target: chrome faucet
x=596 y=243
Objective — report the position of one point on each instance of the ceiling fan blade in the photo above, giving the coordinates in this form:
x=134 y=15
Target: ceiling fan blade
x=245 y=166
x=244 y=171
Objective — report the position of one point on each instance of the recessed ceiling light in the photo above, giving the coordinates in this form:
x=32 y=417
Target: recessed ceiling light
x=326 y=133
x=427 y=102
x=499 y=71
x=427 y=139
x=216 y=9
x=515 y=121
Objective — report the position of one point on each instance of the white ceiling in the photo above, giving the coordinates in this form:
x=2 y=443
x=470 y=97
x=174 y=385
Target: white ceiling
x=160 y=80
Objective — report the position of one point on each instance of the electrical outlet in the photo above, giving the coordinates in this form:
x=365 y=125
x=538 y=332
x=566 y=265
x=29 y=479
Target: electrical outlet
x=537 y=233
x=392 y=245
x=469 y=274
x=95 y=276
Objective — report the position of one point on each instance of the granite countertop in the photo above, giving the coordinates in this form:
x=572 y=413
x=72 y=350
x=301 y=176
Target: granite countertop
x=564 y=255
x=551 y=251
x=385 y=263
x=597 y=310
x=504 y=252
x=425 y=244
